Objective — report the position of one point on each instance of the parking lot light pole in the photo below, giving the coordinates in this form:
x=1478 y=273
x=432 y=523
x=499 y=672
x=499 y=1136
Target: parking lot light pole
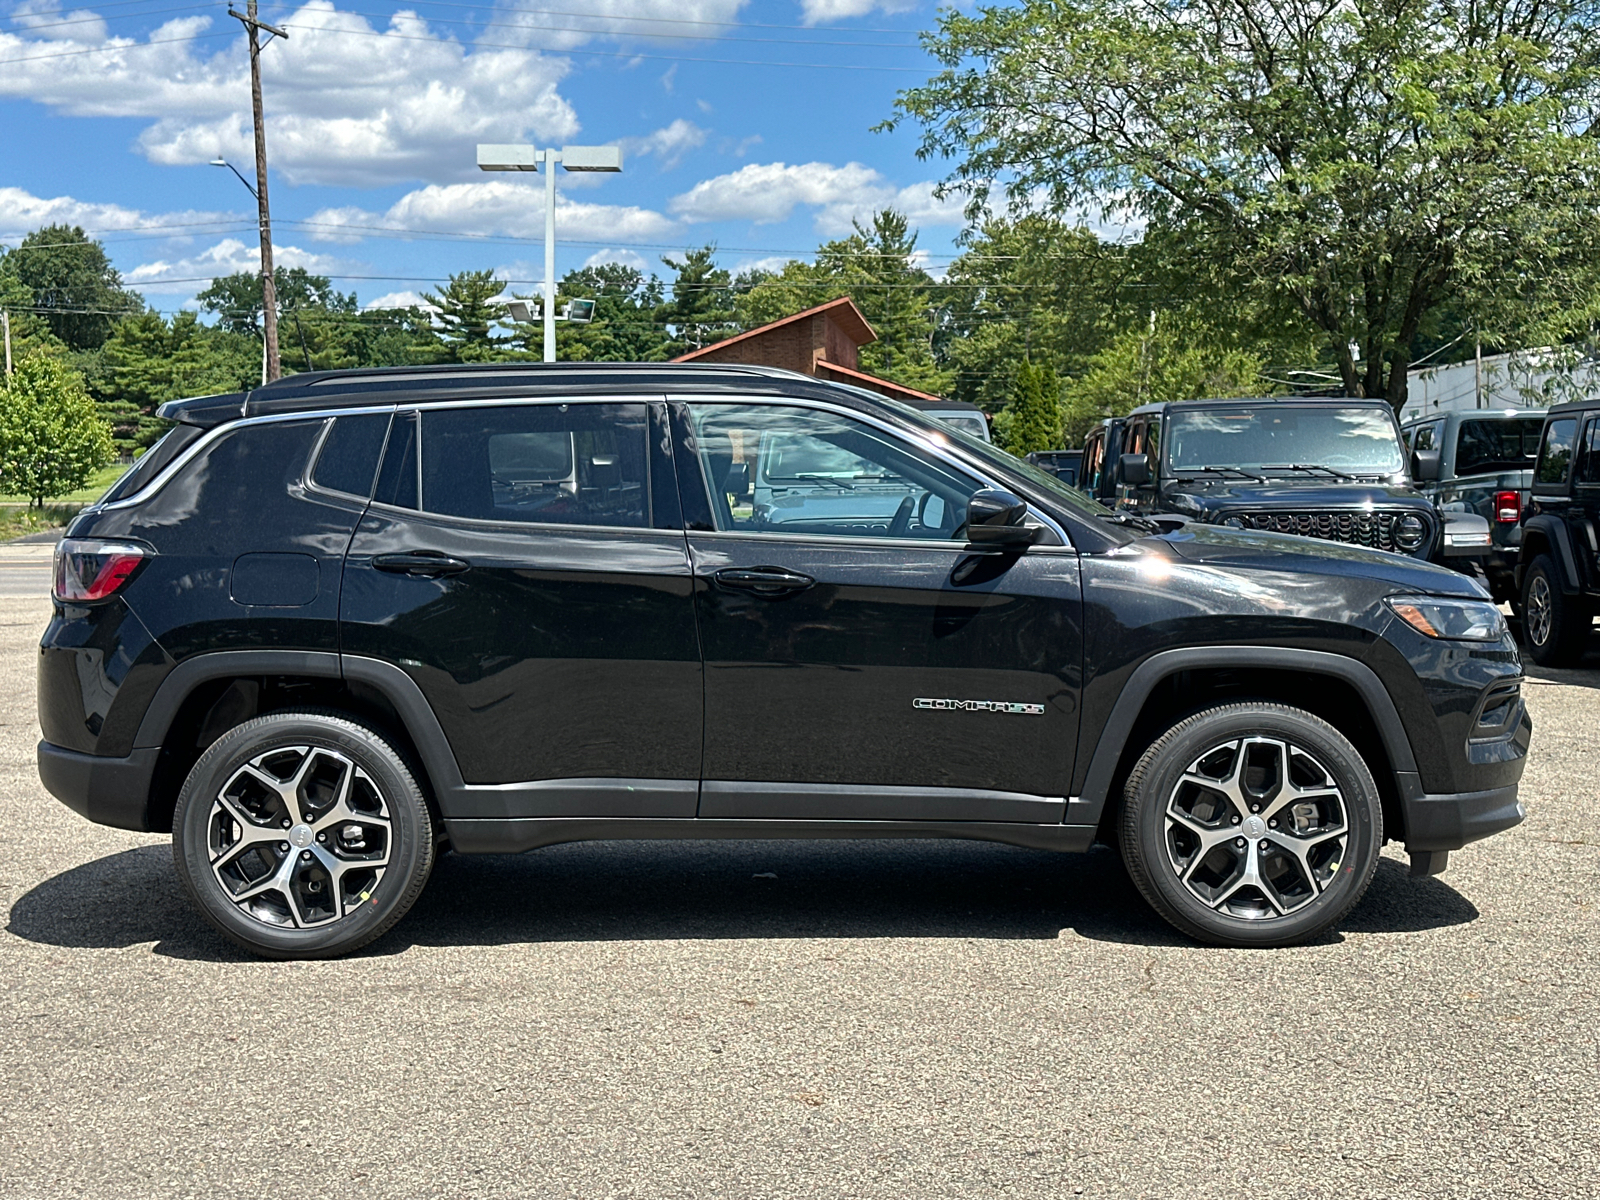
x=528 y=158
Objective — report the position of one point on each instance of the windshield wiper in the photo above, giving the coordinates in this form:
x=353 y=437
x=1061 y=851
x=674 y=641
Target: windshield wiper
x=1305 y=467
x=1222 y=471
x=821 y=477
x=1122 y=518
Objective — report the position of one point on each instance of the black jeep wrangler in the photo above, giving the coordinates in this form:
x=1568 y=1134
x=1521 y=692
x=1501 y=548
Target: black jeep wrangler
x=1322 y=468
x=1558 y=563
x=329 y=628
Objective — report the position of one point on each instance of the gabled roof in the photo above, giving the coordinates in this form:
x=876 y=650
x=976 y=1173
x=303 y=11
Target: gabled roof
x=843 y=311
x=878 y=384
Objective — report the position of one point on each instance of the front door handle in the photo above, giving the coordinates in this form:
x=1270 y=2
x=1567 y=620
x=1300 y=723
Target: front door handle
x=763 y=581
x=424 y=565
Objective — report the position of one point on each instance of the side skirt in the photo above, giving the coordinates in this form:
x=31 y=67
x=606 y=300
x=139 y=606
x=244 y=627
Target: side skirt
x=516 y=834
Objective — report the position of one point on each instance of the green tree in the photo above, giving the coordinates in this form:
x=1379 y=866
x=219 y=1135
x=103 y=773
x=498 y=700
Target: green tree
x=1360 y=164
x=1164 y=361
x=700 y=311
x=467 y=312
x=624 y=328
x=51 y=438
x=1034 y=415
x=148 y=361
x=68 y=282
x=237 y=301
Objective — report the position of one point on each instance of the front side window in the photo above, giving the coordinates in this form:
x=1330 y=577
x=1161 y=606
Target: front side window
x=1589 y=456
x=1265 y=436
x=1555 y=456
x=1504 y=445
x=773 y=469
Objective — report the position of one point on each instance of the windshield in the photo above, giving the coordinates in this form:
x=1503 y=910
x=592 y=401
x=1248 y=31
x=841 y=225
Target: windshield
x=789 y=457
x=970 y=423
x=1363 y=440
x=1505 y=445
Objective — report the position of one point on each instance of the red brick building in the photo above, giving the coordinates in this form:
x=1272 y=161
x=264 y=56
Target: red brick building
x=824 y=342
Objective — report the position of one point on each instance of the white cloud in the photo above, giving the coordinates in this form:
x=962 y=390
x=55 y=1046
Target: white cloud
x=495 y=207
x=626 y=257
x=406 y=299
x=767 y=193
x=774 y=264
x=668 y=144
x=820 y=12
x=347 y=103
x=45 y=18
x=227 y=257
x=21 y=212
x=614 y=20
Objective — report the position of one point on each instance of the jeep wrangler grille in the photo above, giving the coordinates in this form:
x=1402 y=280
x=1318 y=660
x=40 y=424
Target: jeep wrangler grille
x=1371 y=529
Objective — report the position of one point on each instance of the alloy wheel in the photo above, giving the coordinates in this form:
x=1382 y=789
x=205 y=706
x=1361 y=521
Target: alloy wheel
x=1256 y=828
x=1537 y=612
x=299 y=837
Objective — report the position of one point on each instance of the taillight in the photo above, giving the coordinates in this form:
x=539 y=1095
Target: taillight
x=1507 y=508
x=88 y=570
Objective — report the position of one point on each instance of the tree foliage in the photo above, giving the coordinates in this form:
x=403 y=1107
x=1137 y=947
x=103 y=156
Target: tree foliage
x=66 y=281
x=466 y=315
x=624 y=327
x=1034 y=416
x=700 y=311
x=51 y=438
x=1361 y=164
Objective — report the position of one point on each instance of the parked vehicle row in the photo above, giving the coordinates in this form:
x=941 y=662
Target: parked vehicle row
x=328 y=628
x=1558 y=561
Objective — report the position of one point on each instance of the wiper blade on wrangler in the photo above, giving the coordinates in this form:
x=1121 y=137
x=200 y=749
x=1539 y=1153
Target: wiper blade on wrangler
x=821 y=477
x=1122 y=518
x=1220 y=471
x=1305 y=467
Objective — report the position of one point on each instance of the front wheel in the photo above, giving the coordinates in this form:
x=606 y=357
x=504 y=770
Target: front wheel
x=302 y=835
x=1252 y=825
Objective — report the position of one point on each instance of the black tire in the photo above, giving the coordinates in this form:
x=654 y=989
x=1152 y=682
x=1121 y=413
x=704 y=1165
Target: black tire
x=1555 y=627
x=306 y=911
x=1311 y=875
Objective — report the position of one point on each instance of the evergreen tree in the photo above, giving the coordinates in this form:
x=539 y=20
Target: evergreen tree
x=467 y=312
x=701 y=309
x=148 y=361
x=69 y=284
x=51 y=438
x=625 y=327
x=1034 y=415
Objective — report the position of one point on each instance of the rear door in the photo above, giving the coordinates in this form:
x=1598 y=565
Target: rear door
x=524 y=563
x=861 y=660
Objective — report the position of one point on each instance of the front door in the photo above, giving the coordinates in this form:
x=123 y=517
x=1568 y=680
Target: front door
x=862 y=661
x=525 y=564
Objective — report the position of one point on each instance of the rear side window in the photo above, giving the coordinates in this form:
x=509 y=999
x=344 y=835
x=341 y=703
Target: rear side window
x=1589 y=456
x=349 y=456
x=549 y=464
x=1556 y=454
x=1497 y=445
x=151 y=463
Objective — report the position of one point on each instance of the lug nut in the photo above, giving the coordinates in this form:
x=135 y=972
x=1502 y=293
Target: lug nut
x=1272 y=824
x=287 y=822
x=284 y=846
x=1255 y=808
x=1240 y=842
x=1266 y=845
x=1235 y=818
x=322 y=837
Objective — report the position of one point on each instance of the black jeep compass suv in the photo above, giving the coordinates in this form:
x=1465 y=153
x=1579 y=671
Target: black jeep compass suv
x=328 y=628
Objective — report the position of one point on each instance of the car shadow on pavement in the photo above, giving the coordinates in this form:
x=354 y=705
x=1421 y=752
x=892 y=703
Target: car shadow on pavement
x=622 y=891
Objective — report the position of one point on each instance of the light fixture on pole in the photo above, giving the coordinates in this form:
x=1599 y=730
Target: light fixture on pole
x=571 y=158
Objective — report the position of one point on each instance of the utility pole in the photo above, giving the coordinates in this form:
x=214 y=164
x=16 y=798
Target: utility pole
x=1477 y=370
x=269 y=288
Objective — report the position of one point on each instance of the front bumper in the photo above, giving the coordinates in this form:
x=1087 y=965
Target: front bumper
x=1438 y=824
x=108 y=791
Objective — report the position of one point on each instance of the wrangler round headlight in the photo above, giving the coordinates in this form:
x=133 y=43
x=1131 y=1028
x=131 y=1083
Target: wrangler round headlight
x=1409 y=531
x=1234 y=522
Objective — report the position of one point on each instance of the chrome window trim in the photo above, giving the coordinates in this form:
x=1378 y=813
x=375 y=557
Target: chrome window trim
x=940 y=450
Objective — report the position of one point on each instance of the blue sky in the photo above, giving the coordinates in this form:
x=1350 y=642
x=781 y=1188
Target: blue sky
x=374 y=110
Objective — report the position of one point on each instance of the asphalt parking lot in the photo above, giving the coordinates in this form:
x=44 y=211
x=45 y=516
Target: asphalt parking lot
x=771 y=1019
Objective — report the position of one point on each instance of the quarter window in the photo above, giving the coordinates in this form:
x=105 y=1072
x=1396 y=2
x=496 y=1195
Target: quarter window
x=773 y=469
x=1589 y=456
x=1555 y=456
x=349 y=456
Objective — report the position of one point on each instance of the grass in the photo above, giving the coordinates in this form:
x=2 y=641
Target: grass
x=87 y=494
x=20 y=521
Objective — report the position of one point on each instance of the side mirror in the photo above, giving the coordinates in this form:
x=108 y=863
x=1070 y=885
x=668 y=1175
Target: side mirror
x=737 y=481
x=1425 y=465
x=995 y=518
x=1135 y=469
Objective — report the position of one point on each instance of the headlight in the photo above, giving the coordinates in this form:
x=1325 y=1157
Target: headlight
x=1463 y=620
x=1409 y=531
x=1234 y=522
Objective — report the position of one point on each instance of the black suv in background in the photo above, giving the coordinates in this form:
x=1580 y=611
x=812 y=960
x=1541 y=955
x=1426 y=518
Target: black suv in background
x=1558 y=567
x=327 y=628
x=1332 y=469
x=1485 y=467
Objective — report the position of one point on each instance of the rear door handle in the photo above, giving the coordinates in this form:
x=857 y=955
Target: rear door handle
x=763 y=581
x=427 y=566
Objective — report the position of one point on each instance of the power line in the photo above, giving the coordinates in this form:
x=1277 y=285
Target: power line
x=118 y=17
x=557 y=12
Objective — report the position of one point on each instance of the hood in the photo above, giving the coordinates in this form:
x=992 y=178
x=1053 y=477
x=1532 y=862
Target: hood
x=1204 y=500
x=1242 y=549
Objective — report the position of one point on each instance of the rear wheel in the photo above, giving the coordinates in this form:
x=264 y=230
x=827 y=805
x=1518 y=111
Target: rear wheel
x=1554 y=626
x=302 y=835
x=1252 y=825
